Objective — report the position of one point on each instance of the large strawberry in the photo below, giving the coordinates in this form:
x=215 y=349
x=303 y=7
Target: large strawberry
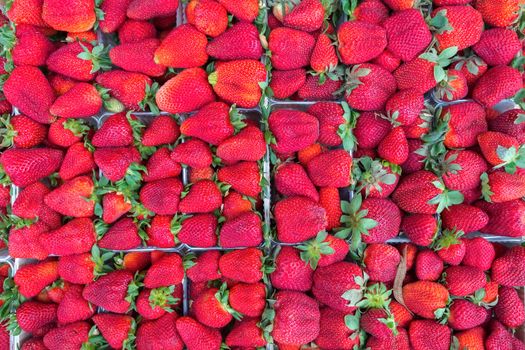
x=239 y=42
x=466 y=120
x=32 y=316
x=496 y=84
x=26 y=166
x=138 y=57
x=117 y=330
x=425 y=298
x=291 y=49
x=196 y=335
x=32 y=278
x=504 y=218
x=110 y=291
x=162 y=196
x=284 y=83
x=83 y=100
x=500 y=186
x=459 y=26
x=247 y=145
x=498 y=14
x=331 y=169
x=75 y=237
x=73 y=198
x=133 y=90
x=498 y=46
x=245 y=230
x=173 y=53
x=360 y=41
x=293 y=130
x=298 y=219
x=123 y=234
x=80 y=17
x=115 y=162
x=245 y=265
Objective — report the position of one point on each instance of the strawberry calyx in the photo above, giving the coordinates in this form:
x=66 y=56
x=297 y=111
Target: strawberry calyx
x=353 y=80
x=440 y=23
x=486 y=192
x=176 y=225
x=511 y=158
x=478 y=299
x=267 y=319
x=101 y=228
x=7 y=132
x=188 y=261
x=346 y=130
x=7 y=40
x=4 y=178
x=77 y=126
x=472 y=62
x=222 y=296
x=237 y=118
x=355 y=295
x=355 y=221
x=312 y=250
x=101 y=259
x=137 y=126
x=371 y=173
x=446 y=198
x=163 y=298
x=150 y=92
x=95 y=340
x=441 y=61
x=433 y=148
x=113 y=105
x=133 y=289
x=447 y=238
x=445 y=87
x=11 y=298
x=99 y=57
x=131 y=182
x=129 y=342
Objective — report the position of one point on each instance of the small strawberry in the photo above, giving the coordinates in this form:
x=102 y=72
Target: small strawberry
x=292 y=179
x=466 y=315
x=202 y=197
x=307 y=16
x=138 y=57
x=243 y=231
x=244 y=265
x=298 y=219
x=78 y=160
x=114 y=205
x=23 y=242
x=285 y=83
x=193 y=153
x=243 y=177
x=162 y=196
x=500 y=186
x=314 y=89
x=246 y=333
x=394 y=147
x=450 y=247
x=506 y=270
x=464 y=280
x=134 y=31
x=152 y=304
x=420 y=228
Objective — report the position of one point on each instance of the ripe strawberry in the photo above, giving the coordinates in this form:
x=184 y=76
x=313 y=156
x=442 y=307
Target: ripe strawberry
x=501 y=187
x=211 y=308
x=298 y=219
x=331 y=116
x=429 y=266
x=29 y=45
x=345 y=279
x=169 y=97
x=467 y=121
x=420 y=228
x=367 y=80
x=287 y=82
x=240 y=42
x=127 y=87
x=404 y=107
x=30 y=204
x=498 y=14
x=463 y=169
x=32 y=278
x=79 y=61
x=161 y=166
x=291 y=273
x=407 y=33
x=293 y=130
x=314 y=90
x=243 y=177
x=504 y=218
x=73 y=197
x=31 y=344
x=23 y=242
x=213 y=123
x=462 y=26
x=165 y=272
x=246 y=333
x=78 y=160
x=291 y=49
x=371 y=11
x=73 y=307
x=123 y=234
x=360 y=41
x=426 y=334
x=331 y=169
x=209 y=17
x=307 y=16
x=422 y=67
x=246 y=11
x=78 y=18
x=152 y=304
x=500 y=337
x=509 y=123
x=159 y=233
x=75 y=237
x=243 y=231
x=193 y=153
x=172 y=51
x=490 y=143
x=17 y=92
x=394 y=147
x=32 y=315
x=235 y=204
x=506 y=270
x=450 y=247
x=291 y=179
x=464 y=217
x=138 y=57
x=157 y=8
x=197 y=336
x=78 y=268
x=66 y=132
x=424 y=298
x=114 y=15
x=498 y=46
x=452 y=87
x=247 y=145
x=199 y=230
x=509 y=309
x=203 y=197
x=242 y=265
x=115 y=328
x=466 y=315
x=22 y=132
x=110 y=291
x=27 y=12
x=114 y=162
x=381 y=262
x=496 y=84
x=334 y=332
x=473 y=338
x=133 y=31
x=297 y=318
x=370 y=130
x=205 y=267
x=116 y=131
x=162 y=196
x=26 y=166
x=159 y=333
x=114 y=206
x=67 y=337
x=81 y=101
x=464 y=280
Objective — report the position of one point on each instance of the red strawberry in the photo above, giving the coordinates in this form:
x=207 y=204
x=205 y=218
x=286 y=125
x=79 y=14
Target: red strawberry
x=464 y=217
x=501 y=187
x=394 y=147
x=66 y=132
x=331 y=169
x=467 y=121
x=462 y=26
x=114 y=14
x=372 y=11
x=293 y=130
x=314 y=89
x=422 y=67
x=152 y=304
x=161 y=166
x=450 y=247
x=73 y=198
x=78 y=160
x=331 y=202
x=68 y=337
x=32 y=278
x=360 y=41
x=159 y=232
x=307 y=16
x=213 y=123
x=239 y=42
x=246 y=11
x=504 y=218
x=420 y=228
x=509 y=123
x=246 y=333
x=242 y=265
x=507 y=270
x=197 y=231
x=324 y=58
x=116 y=131
x=26 y=166
x=211 y=308
x=172 y=51
x=429 y=266
x=463 y=169
x=464 y=280
x=115 y=329
x=500 y=337
x=75 y=237
x=165 y=272
x=32 y=315
x=368 y=87
x=298 y=219
x=424 y=298
x=162 y=196
x=496 y=84
x=81 y=101
x=169 y=97
x=23 y=242
x=370 y=130
x=405 y=107
x=73 y=307
x=114 y=162
x=291 y=49
x=27 y=12
x=243 y=177
x=197 y=336
x=509 y=309
x=138 y=57
x=114 y=206
x=205 y=267
x=33 y=99
x=334 y=332
x=291 y=179
x=30 y=46
x=498 y=46
x=157 y=8
x=245 y=231
x=466 y=315
x=134 y=31
x=381 y=262
x=123 y=234
x=495 y=148
x=247 y=145
x=78 y=268
x=110 y=291
x=287 y=82
x=30 y=204
x=78 y=18
x=159 y=333
x=129 y=88
x=193 y=153
x=209 y=17
x=427 y=334
x=498 y=14
x=22 y=132
x=203 y=197
x=79 y=61
x=291 y=273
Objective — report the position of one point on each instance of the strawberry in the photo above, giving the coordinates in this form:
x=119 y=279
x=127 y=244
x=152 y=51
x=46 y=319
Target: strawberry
x=239 y=42
x=450 y=247
x=116 y=329
x=165 y=272
x=366 y=80
x=245 y=231
x=32 y=344
x=114 y=206
x=429 y=266
x=197 y=231
x=169 y=97
x=496 y=84
x=394 y=147
x=78 y=268
x=238 y=82
x=73 y=197
x=213 y=123
x=248 y=299
x=32 y=315
x=375 y=322
x=159 y=333
x=509 y=123
x=498 y=46
x=246 y=333
x=499 y=14
x=23 y=242
x=114 y=162
x=123 y=234
x=398 y=341
x=506 y=269
x=78 y=18
x=345 y=279
x=246 y=11
x=110 y=291
x=67 y=337
x=424 y=298
x=292 y=214
x=205 y=267
x=209 y=17
x=287 y=82
x=415 y=160
x=375 y=179
x=370 y=130
x=190 y=56
x=466 y=315
x=495 y=146
x=75 y=237
x=504 y=218
x=479 y=253
x=79 y=61
x=29 y=46
x=31 y=279
x=114 y=15
x=133 y=31
x=291 y=179
x=27 y=12
x=152 y=304
x=193 y=153
x=196 y=335
x=501 y=187
x=141 y=11
x=243 y=177
x=464 y=217
x=509 y=309
x=242 y=265
x=307 y=16
x=500 y=337
x=247 y=145
x=211 y=308
x=459 y=26
x=82 y=94
x=162 y=196
x=129 y=88
x=331 y=116
x=138 y=57
x=161 y=166
x=291 y=273
x=381 y=262
x=66 y=132
x=203 y=197
x=420 y=228
x=314 y=89
x=331 y=169
x=407 y=33
x=467 y=121
x=464 y=280
x=34 y=99
x=463 y=169
x=334 y=332
x=452 y=87
x=159 y=232
x=427 y=334
x=26 y=166
x=22 y=132
x=293 y=130
x=78 y=160
x=423 y=67
x=404 y=107
x=297 y=318
x=73 y=307
x=305 y=155
x=291 y=49
x=371 y=11
x=360 y=41
x=30 y=204
x=473 y=338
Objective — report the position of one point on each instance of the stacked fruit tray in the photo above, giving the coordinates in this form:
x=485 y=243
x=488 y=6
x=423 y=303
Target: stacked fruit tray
x=305 y=174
